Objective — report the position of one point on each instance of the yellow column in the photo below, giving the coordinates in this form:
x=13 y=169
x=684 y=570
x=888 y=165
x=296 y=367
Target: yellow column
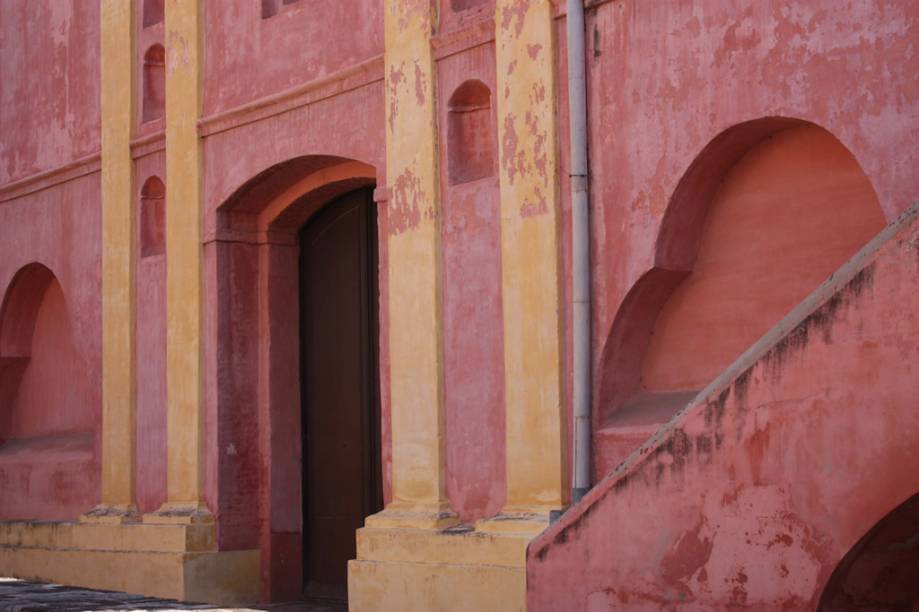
x=418 y=480
x=184 y=262
x=526 y=103
x=118 y=253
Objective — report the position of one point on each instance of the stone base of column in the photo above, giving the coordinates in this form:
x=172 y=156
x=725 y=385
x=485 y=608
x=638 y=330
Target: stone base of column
x=404 y=515
x=457 y=567
x=115 y=514
x=172 y=513
x=511 y=521
x=171 y=561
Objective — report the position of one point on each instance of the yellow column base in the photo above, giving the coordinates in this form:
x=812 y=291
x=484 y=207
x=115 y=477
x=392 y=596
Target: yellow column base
x=405 y=515
x=514 y=522
x=457 y=568
x=180 y=514
x=111 y=514
x=167 y=560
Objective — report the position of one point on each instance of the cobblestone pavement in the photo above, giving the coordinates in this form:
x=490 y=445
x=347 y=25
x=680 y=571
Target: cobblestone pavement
x=24 y=596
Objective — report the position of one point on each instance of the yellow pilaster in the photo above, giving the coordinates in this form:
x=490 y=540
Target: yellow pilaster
x=419 y=488
x=526 y=103
x=118 y=253
x=184 y=263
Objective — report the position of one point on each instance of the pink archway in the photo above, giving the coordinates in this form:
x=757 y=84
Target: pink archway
x=252 y=359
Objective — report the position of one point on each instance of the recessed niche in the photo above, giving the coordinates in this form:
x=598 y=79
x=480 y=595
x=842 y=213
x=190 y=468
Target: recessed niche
x=152 y=217
x=270 y=8
x=154 y=12
x=154 y=98
x=470 y=133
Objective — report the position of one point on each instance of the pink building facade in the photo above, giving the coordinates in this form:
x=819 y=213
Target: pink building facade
x=754 y=250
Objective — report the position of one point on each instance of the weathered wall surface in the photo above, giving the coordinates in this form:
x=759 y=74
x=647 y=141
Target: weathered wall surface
x=666 y=78
x=49 y=465
x=49 y=117
x=252 y=53
x=754 y=492
x=49 y=102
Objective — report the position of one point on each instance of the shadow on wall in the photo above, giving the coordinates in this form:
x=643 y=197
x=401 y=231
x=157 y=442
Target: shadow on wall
x=765 y=213
x=46 y=417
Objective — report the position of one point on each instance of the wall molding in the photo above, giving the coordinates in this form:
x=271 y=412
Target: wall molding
x=148 y=144
x=354 y=77
x=456 y=41
x=46 y=179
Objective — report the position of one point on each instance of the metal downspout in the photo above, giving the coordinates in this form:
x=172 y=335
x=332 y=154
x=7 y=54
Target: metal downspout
x=580 y=249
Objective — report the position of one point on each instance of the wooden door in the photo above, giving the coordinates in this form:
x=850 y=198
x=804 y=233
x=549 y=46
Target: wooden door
x=340 y=389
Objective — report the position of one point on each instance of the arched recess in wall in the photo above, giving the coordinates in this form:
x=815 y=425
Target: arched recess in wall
x=257 y=323
x=43 y=385
x=47 y=408
x=152 y=217
x=154 y=74
x=471 y=144
x=17 y=324
x=154 y=12
x=879 y=572
x=270 y=8
x=767 y=211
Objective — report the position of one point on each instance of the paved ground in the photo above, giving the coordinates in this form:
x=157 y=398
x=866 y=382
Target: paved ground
x=25 y=596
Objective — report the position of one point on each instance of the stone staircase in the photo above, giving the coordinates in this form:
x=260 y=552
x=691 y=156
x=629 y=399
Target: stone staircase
x=754 y=491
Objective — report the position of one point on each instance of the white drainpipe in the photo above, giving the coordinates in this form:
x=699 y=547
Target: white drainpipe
x=580 y=249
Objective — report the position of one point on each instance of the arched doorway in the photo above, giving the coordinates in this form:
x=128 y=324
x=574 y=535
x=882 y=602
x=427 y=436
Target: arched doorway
x=342 y=477
x=256 y=393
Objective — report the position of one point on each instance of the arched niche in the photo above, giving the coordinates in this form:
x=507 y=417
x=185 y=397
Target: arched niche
x=47 y=409
x=767 y=211
x=152 y=217
x=471 y=143
x=879 y=572
x=43 y=382
x=20 y=309
x=154 y=90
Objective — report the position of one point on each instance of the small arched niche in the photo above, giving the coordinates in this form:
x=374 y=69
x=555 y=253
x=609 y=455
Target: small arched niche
x=767 y=212
x=471 y=141
x=154 y=95
x=152 y=217
x=154 y=12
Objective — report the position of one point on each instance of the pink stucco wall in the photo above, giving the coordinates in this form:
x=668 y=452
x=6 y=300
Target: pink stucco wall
x=249 y=57
x=49 y=465
x=49 y=102
x=50 y=400
x=471 y=267
x=755 y=491
x=665 y=80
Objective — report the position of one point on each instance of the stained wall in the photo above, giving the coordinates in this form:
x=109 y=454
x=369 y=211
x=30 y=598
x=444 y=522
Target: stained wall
x=49 y=220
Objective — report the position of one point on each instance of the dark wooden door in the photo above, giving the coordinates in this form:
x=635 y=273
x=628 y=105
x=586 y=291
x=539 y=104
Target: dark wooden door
x=340 y=389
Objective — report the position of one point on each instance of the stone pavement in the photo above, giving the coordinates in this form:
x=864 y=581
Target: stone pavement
x=25 y=596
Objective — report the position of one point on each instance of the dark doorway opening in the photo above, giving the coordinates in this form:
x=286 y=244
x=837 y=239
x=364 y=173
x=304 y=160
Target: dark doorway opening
x=342 y=476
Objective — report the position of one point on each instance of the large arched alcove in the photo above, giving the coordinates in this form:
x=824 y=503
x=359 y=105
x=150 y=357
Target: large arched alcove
x=259 y=300
x=767 y=211
x=47 y=419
